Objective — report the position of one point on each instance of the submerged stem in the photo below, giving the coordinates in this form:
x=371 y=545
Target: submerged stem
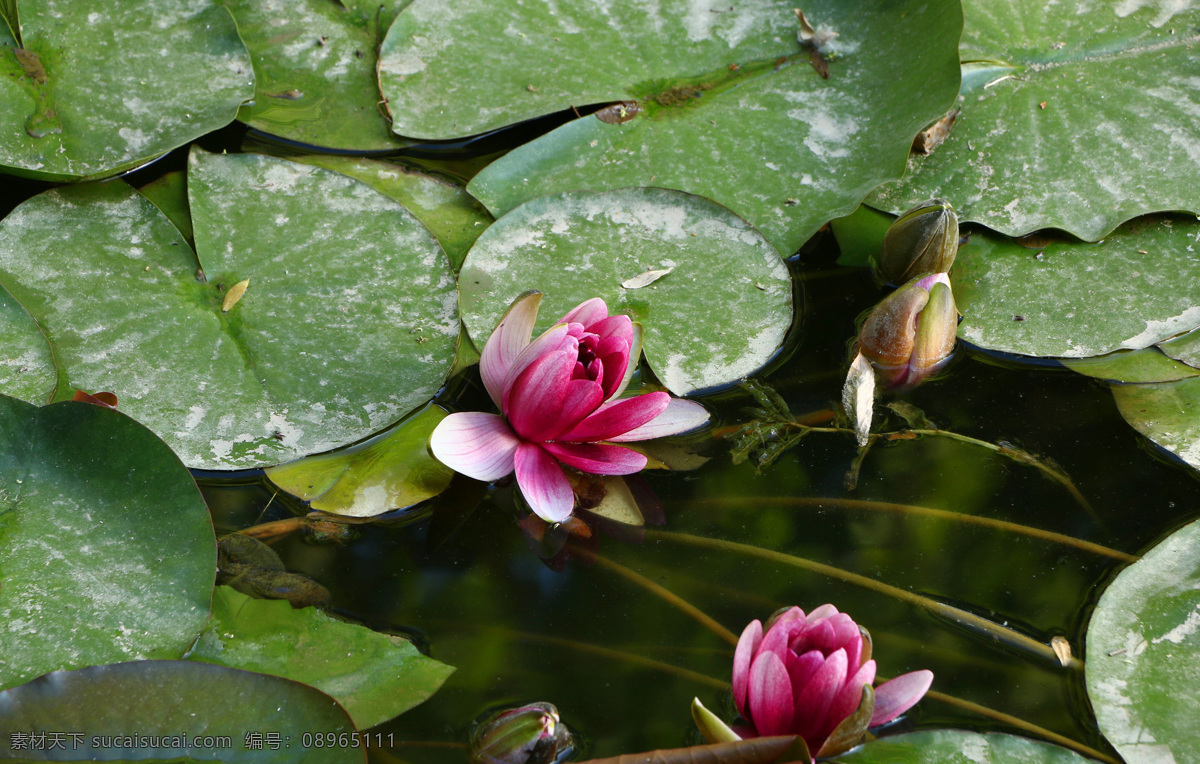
x=670 y=597
x=1000 y=634
x=913 y=509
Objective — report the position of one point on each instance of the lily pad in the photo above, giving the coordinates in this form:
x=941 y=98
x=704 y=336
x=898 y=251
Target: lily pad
x=329 y=342
x=1136 y=288
x=1185 y=348
x=860 y=236
x=725 y=277
x=445 y=208
x=374 y=676
x=960 y=747
x=156 y=710
x=27 y=369
x=1143 y=653
x=721 y=98
x=314 y=72
x=96 y=90
x=1145 y=365
x=389 y=471
x=1167 y=413
x=1080 y=121
x=107 y=545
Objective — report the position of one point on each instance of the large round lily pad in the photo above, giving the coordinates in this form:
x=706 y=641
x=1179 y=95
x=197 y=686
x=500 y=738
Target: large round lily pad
x=314 y=71
x=374 y=676
x=1076 y=120
x=1143 y=654
x=106 y=545
x=1072 y=300
x=346 y=324
x=960 y=747
x=96 y=89
x=728 y=104
x=713 y=296
x=158 y=711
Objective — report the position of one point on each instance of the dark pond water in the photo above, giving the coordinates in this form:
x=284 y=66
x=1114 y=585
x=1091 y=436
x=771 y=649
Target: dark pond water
x=622 y=661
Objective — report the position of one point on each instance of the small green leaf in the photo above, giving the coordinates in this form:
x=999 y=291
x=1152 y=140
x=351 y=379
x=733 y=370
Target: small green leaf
x=389 y=471
x=159 y=708
x=727 y=278
x=1145 y=365
x=92 y=572
x=1143 y=650
x=860 y=236
x=27 y=369
x=374 y=676
x=1167 y=413
x=169 y=194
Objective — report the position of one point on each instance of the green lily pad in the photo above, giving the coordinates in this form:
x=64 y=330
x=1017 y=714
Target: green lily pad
x=107 y=545
x=1185 y=348
x=960 y=747
x=1145 y=365
x=157 y=709
x=1080 y=122
x=445 y=208
x=314 y=72
x=389 y=471
x=723 y=275
x=99 y=89
x=727 y=103
x=347 y=324
x=1143 y=653
x=1072 y=300
x=27 y=369
x=374 y=676
x=1167 y=413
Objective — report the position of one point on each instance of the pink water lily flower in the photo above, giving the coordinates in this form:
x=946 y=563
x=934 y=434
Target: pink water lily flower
x=559 y=401
x=806 y=675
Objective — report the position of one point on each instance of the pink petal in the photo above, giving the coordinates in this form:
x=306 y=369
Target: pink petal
x=476 y=444
x=619 y=326
x=848 y=698
x=812 y=703
x=617 y=418
x=587 y=312
x=598 y=459
x=543 y=483
x=581 y=398
x=821 y=613
x=635 y=354
x=896 y=696
x=535 y=398
x=554 y=339
x=770 y=694
x=804 y=667
x=508 y=339
x=746 y=647
x=679 y=416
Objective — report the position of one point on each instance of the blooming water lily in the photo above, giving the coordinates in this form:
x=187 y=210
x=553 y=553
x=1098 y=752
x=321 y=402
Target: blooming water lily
x=560 y=405
x=811 y=675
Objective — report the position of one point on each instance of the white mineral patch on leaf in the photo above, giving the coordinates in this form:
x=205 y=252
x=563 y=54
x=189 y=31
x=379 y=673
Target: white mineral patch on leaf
x=1184 y=630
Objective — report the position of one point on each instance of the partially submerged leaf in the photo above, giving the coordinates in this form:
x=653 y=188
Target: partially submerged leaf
x=174 y=706
x=959 y=747
x=1146 y=365
x=759 y=750
x=374 y=676
x=1167 y=413
x=389 y=471
x=728 y=279
x=1143 y=649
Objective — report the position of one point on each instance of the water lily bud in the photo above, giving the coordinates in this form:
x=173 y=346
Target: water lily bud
x=531 y=734
x=911 y=333
x=922 y=240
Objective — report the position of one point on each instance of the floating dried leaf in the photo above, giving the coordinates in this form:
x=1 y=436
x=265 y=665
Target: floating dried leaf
x=1062 y=648
x=234 y=294
x=646 y=279
x=858 y=397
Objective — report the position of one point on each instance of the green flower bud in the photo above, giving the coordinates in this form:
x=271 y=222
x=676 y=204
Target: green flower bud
x=531 y=734
x=922 y=240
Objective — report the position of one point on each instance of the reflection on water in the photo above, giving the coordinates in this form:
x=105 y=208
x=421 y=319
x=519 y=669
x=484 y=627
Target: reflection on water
x=622 y=660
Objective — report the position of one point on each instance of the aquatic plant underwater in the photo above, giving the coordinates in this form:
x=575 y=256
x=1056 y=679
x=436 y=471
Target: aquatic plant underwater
x=441 y=380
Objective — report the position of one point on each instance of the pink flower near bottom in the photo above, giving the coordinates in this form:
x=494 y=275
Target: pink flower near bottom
x=560 y=405
x=806 y=674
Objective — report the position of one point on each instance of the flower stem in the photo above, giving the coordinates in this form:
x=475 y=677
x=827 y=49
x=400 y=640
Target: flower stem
x=913 y=509
x=1000 y=634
